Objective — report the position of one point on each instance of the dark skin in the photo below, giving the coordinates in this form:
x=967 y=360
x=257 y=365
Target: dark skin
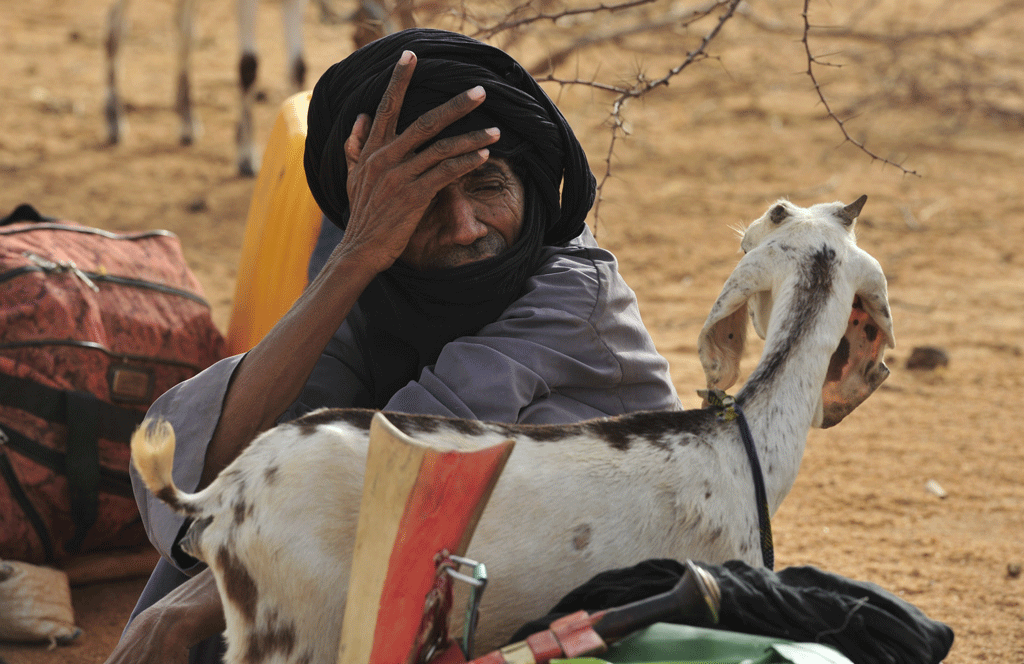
x=447 y=205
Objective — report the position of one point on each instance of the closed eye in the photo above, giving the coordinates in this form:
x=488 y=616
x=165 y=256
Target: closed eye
x=488 y=186
x=487 y=179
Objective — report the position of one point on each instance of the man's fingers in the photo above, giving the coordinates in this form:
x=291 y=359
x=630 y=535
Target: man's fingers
x=386 y=119
x=431 y=123
x=356 y=140
x=453 y=147
x=381 y=131
x=451 y=169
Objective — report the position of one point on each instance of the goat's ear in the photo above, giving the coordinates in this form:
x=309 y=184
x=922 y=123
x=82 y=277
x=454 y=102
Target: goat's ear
x=722 y=339
x=874 y=295
x=858 y=367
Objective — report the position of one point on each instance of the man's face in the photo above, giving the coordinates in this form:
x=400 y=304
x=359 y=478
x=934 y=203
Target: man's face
x=478 y=216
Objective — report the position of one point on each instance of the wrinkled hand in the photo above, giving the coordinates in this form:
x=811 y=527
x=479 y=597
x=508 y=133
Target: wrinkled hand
x=163 y=633
x=390 y=186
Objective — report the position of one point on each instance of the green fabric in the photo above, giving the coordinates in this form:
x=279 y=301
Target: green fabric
x=663 y=643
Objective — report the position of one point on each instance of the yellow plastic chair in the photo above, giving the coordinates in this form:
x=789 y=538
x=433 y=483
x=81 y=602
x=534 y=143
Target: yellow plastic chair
x=280 y=232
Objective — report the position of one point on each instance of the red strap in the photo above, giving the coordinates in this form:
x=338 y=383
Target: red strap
x=544 y=646
x=576 y=635
x=570 y=636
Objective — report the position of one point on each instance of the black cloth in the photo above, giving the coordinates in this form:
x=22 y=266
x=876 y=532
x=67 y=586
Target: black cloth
x=24 y=212
x=411 y=314
x=860 y=619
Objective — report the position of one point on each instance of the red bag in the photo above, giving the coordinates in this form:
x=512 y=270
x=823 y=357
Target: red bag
x=93 y=327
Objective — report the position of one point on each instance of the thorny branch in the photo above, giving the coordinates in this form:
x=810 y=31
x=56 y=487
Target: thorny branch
x=896 y=39
x=674 y=18
x=530 y=13
x=619 y=20
x=811 y=62
x=510 y=23
x=943 y=66
x=643 y=86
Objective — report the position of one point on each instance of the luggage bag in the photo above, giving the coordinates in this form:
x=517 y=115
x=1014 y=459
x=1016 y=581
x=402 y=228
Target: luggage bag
x=93 y=327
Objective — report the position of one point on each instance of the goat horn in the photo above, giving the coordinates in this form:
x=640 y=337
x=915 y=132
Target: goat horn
x=849 y=213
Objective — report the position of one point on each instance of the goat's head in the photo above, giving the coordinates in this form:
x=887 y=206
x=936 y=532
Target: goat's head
x=772 y=244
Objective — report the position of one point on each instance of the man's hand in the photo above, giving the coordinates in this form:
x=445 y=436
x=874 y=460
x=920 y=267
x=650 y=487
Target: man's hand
x=163 y=633
x=390 y=185
x=390 y=188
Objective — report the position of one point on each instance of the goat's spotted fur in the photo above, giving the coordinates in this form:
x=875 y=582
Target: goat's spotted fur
x=277 y=526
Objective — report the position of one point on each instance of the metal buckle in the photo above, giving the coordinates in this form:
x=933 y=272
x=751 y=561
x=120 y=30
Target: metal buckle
x=477 y=583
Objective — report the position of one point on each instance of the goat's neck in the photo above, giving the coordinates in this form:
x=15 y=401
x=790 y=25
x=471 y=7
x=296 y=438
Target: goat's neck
x=782 y=395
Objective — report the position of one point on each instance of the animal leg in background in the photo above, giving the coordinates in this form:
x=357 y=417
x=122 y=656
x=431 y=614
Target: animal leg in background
x=292 y=12
x=247 y=161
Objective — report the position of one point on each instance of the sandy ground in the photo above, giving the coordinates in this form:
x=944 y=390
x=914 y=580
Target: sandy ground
x=706 y=154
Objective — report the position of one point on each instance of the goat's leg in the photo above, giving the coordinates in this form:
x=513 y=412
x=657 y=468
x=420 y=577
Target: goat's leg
x=373 y=21
x=248 y=64
x=185 y=20
x=404 y=15
x=328 y=14
x=293 y=12
x=117 y=28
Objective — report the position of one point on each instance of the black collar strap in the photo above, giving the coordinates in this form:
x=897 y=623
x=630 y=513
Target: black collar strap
x=730 y=410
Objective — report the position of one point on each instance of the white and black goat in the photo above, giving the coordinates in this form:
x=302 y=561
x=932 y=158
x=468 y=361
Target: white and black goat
x=184 y=18
x=277 y=526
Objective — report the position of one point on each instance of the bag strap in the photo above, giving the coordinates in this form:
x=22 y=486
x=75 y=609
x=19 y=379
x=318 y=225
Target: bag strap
x=82 y=464
x=20 y=497
x=87 y=419
x=51 y=404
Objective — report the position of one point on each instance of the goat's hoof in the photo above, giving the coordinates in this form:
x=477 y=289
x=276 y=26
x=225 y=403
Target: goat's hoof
x=115 y=122
x=248 y=160
x=191 y=132
x=246 y=169
x=189 y=138
x=116 y=131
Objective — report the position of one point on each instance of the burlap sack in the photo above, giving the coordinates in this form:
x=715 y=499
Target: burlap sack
x=35 y=604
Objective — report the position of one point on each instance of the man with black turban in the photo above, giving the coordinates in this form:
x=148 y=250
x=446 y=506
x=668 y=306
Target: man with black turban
x=466 y=284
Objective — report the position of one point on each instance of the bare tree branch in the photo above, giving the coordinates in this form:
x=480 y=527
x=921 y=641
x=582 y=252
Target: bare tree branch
x=677 y=17
x=644 y=86
x=590 y=83
x=811 y=62
x=891 y=39
x=510 y=23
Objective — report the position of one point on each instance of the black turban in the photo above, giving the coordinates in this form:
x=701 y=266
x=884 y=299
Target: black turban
x=411 y=314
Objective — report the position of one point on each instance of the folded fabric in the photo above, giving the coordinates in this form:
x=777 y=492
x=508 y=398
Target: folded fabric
x=860 y=619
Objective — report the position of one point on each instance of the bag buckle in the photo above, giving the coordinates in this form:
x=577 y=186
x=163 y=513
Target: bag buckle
x=477 y=580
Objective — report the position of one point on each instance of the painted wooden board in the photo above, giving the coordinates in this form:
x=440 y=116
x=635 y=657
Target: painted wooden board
x=417 y=500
